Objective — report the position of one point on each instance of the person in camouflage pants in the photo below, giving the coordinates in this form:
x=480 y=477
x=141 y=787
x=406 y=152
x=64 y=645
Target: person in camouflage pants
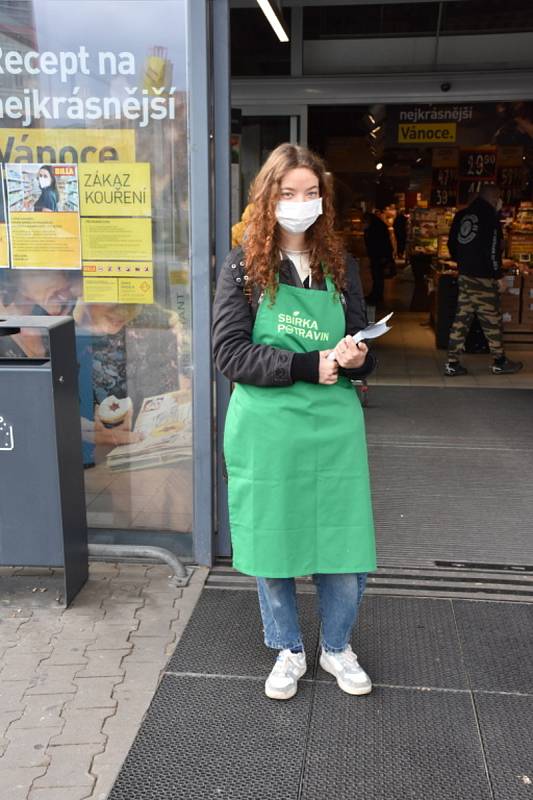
x=479 y=296
x=475 y=243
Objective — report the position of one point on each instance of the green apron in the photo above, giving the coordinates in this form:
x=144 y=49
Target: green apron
x=299 y=492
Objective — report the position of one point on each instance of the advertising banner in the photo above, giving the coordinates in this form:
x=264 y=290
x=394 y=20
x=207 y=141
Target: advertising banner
x=44 y=220
x=66 y=145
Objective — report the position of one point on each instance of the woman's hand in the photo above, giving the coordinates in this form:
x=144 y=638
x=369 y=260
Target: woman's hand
x=350 y=355
x=328 y=371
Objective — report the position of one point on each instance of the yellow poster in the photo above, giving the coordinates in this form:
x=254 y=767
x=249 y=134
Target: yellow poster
x=135 y=290
x=116 y=225
x=54 y=145
x=44 y=220
x=116 y=238
x=4 y=246
x=100 y=290
x=4 y=242
x=115 y=190
x=427 y=133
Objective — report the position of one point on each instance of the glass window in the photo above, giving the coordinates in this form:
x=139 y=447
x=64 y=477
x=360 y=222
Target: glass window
x=255 y=48
x=398 y=19
x=93 y=145
x=487 y=16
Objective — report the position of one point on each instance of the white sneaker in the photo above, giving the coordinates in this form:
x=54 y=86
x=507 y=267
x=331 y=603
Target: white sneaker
x=282 y=683
x=351 y=677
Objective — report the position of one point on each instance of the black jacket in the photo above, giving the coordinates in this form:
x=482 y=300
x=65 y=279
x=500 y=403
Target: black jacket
x=242 y=361
x=377 y=240
x=475 y=240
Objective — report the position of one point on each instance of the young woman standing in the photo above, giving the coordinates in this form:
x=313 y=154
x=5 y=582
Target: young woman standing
x=294 y=442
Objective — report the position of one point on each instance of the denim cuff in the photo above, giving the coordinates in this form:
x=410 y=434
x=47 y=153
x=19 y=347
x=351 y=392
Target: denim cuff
x=277 y=644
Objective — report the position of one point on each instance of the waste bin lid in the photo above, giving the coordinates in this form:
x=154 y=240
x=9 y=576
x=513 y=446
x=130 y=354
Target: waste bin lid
x=34 y=322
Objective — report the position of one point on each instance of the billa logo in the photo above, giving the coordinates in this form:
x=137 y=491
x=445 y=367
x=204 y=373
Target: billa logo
x=7 y=439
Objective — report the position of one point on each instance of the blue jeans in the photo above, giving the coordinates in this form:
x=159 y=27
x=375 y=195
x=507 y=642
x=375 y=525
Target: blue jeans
x=339 y=597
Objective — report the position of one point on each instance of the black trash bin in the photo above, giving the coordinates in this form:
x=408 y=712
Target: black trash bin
x=42 y=500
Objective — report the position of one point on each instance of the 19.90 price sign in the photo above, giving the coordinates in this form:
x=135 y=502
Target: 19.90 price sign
x=478 y=164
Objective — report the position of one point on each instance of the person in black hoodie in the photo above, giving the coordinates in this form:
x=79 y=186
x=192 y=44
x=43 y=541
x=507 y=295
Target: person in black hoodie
x=379 y=249
x=475 y=244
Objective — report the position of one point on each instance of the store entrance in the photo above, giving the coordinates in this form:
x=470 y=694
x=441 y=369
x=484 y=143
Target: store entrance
x=401 y=171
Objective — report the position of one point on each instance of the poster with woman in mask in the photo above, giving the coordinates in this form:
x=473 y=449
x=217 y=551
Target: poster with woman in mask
x=44 y=216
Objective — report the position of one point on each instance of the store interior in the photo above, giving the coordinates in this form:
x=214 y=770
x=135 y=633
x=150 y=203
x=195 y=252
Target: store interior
x=414 y=166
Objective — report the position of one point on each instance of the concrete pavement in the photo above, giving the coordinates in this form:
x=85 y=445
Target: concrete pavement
x=75 y=683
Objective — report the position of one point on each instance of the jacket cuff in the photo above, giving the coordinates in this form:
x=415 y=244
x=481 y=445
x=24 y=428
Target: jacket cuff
x=305 y=366
x=361 y=372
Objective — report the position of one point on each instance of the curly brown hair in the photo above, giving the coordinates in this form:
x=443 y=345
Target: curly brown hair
x=262 y=240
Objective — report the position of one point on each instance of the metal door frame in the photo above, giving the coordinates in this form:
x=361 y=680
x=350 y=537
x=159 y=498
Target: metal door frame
x=297 y=116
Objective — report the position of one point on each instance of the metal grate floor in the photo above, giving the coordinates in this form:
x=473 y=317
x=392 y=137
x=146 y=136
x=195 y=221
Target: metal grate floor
x=450 y=715
x=450 y=471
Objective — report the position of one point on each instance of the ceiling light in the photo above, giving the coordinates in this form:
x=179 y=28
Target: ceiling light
x=379 y=165
x=272 y=12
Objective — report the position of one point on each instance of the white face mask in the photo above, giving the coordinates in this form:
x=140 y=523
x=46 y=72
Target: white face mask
x=297 y=217
x=44 y=181
x=499 y=204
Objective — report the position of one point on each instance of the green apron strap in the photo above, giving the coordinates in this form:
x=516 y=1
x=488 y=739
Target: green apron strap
x=329 y=284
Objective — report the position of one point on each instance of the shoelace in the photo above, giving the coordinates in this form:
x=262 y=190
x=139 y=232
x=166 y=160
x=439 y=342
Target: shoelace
x=284 y=665
x=349 y=660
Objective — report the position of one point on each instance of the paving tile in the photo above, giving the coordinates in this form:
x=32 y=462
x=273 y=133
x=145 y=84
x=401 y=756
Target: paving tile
x=69 y=766
x=128 y=717
x=113 y=641
x=102 y=663
x=106 y=775
x=41 y=711
x=10 y=627
x=143 y=676
x=28 y=748
x=110 y=627
x=94 y=693
x=72 y=793
x=82 y=726
x=7 y=718
x=103 y=568
x=15 y=783
x=11 y=694
x=148 y=648
x=65 y=653
x=154 y=626
x=51 y=679
x=77 y=629
x=19 y=666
